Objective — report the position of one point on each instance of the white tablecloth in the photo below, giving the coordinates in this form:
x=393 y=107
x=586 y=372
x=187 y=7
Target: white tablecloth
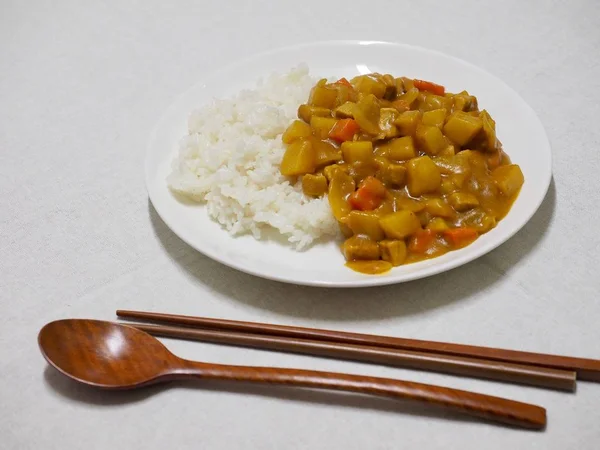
x=81 y=86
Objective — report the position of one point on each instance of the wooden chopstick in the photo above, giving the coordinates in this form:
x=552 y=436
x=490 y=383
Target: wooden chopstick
x=585 y=369
x=494 y=370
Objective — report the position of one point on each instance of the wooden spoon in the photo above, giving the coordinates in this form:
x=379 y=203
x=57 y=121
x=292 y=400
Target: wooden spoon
x=115 y=356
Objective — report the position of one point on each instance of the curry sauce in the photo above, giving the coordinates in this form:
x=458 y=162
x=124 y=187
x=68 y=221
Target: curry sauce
x=411 y=172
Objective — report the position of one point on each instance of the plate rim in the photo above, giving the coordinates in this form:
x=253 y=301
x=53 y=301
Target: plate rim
x=364 y=280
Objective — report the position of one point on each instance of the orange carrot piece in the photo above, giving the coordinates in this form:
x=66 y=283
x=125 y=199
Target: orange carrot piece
x=421 y=241
x=363 y=201
x=345 y=82
x=344 y=130
x=459 y=237
x=373 y=186
x=368 y=196
x=423 y=85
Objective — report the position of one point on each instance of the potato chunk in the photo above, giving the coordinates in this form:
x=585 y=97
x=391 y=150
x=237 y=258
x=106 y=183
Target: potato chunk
x=326 y=153
x=509 y=179
x=332 y=169
x=366 y=114
x=321 y=126
x=489 y=130
x=464 y=102
x=365 y=223
x=410 y=204
x=407 y=122
x=463 y=201
x=361 y=248
x=344 y=94
x=448 y=186
x=391 y=88
x=439 y=208
x=430 y=139
x=393 y=175
x=355 y=151
x=435 y=117
x=400 y=224
x=368 y=84
x=462 y=127
x=449 y=151
x=298 y=159
x=345 y=111
x=393 y=251
x=401 y=149
x=296 y=130
x=410 y=96
x=387 y=117
x=306 y=112
x=437 y=225
x=314 y=185
x=323 y=96
x=432 y=102
x=423 y=176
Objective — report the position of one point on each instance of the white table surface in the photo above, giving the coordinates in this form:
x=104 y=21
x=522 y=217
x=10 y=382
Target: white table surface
x=81 y=86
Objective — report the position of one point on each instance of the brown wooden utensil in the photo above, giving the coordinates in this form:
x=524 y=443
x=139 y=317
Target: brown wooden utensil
x=115 y=356
x=585 y=368
x=436 y=362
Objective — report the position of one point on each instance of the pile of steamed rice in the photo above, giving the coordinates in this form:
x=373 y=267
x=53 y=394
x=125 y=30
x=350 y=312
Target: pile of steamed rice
x=230 y=161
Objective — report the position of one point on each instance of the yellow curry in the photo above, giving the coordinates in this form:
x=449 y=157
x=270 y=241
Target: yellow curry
x=411 y=171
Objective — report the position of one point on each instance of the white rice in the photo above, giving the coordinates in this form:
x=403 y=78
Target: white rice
x=230 y=160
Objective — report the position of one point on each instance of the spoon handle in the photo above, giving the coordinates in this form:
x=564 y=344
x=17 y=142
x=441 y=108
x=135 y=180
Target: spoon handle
x=479 y=405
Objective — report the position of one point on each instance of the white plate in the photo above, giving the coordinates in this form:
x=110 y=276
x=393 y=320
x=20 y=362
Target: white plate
x=518 y=128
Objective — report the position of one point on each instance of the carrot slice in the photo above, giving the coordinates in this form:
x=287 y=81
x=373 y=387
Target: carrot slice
x=423 y=85
x=459 y=237
x=421 y=241
x=368 y=196
x=344 y=130
x=363 y=201
x=345 y=82
x=373 y=186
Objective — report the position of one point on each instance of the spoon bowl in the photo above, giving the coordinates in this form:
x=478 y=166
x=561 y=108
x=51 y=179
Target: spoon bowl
x=105 y=354
x=114 y=356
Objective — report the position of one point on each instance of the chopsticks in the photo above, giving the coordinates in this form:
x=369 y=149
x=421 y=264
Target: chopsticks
x=500 y=371
x=550 y=371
